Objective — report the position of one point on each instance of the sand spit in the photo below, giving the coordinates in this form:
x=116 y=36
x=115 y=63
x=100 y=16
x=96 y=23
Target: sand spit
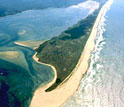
x=31 y=44
x=58 y=96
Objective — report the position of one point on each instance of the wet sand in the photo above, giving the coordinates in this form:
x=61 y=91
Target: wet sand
x=9 y=54
x=59 y=95
x=31 y=44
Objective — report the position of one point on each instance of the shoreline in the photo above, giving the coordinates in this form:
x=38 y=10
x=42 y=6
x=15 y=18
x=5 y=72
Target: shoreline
x=36 y=59
x=53 y=68
x=17 y=43
x=62 y=93
x=65 y=90
x=30 y=44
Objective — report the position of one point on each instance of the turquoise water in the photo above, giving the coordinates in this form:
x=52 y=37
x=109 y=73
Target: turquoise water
x=21 y=76
x=103 y=84
x=42 y=24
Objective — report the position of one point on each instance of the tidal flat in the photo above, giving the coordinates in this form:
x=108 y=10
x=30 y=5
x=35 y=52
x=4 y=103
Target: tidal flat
x=20 y=74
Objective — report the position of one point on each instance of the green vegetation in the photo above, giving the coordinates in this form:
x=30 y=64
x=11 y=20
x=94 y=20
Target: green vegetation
x=64 y=51
x=17 y=84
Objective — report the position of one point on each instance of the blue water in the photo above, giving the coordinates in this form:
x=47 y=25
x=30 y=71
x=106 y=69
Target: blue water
x=103 y=84
x=37 y=25
x=42 y=24
x=20 y=76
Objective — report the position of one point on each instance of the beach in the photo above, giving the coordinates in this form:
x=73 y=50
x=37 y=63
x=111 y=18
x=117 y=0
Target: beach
x=63 y=92
x=55 y=73
x=31 y=44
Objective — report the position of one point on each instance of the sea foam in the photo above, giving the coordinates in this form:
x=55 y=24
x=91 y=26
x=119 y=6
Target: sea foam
x=86 y=96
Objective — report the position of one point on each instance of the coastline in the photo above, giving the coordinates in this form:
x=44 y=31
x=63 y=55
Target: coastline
x=55 y=73
x=17 y=43
x=31 y=44
x=61 y=94
x=36 y=59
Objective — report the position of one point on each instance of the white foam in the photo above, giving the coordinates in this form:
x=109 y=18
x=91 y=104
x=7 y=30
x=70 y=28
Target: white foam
x=85 y=5
x=86 y=96
x=91 y=5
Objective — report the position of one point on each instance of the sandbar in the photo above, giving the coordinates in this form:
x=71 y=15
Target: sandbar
x=9 y=54
x=63 y=92
x=31 y=44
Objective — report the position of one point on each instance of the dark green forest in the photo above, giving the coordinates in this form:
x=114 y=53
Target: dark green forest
x=64 y=51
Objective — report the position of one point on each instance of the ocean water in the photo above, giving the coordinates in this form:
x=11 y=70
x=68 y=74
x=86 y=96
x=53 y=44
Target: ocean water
x=46 y=23
x=103 y=84
x=38 y=25
x=21 y=76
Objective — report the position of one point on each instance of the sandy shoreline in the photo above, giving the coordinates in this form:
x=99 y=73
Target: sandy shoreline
x=30 y=44
x=17 y=43
x=55 y=73
x=36 y=59
x=61 y=94
x=58 y=96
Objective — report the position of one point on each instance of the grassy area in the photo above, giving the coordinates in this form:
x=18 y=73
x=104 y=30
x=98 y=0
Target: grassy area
x=64 y=51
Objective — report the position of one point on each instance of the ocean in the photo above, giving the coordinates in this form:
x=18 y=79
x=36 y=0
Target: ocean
x=103 y=84
x=20 y=75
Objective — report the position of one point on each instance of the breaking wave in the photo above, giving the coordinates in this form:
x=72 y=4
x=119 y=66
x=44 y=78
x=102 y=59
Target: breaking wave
x=86 y=96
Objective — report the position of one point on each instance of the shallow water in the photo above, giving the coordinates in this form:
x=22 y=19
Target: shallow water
x=103 y=84
x=37 y=25
x=20 y=76
x=44 y=24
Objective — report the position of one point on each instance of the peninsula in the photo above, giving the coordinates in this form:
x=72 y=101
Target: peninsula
x=69 y=53
x=64 y=51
